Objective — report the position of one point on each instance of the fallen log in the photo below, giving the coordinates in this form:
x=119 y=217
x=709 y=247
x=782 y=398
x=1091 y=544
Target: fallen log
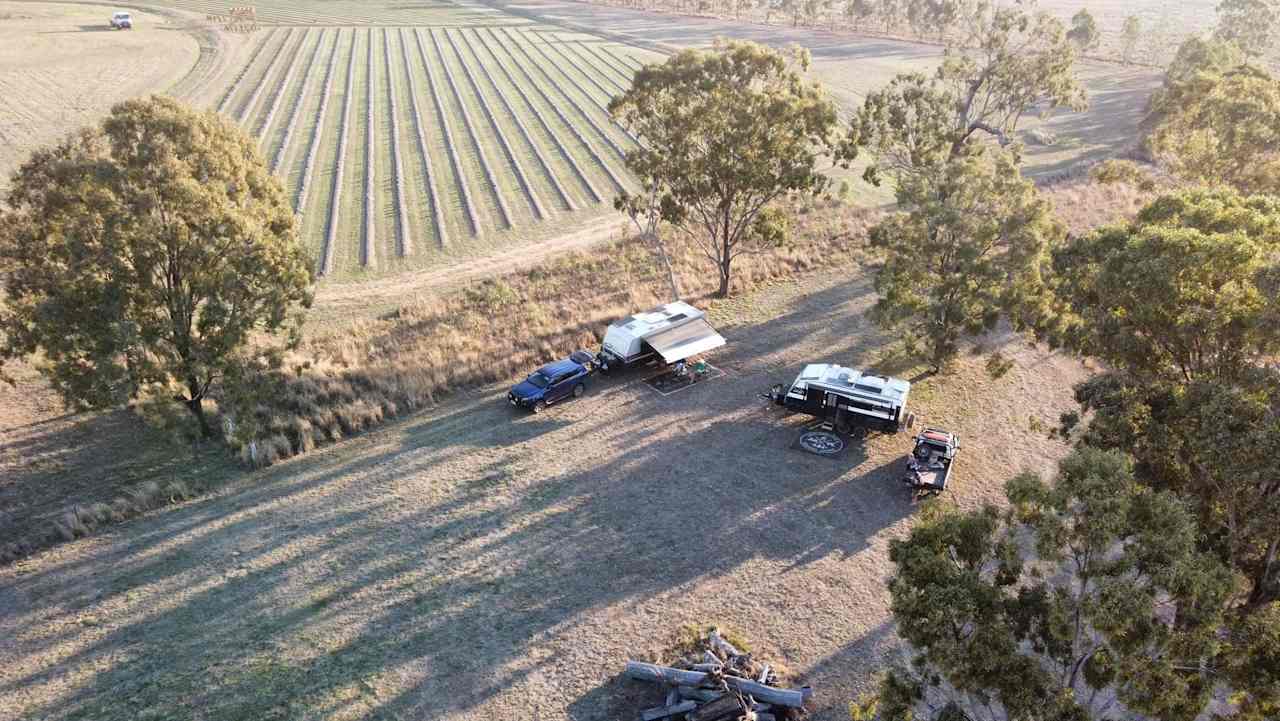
x=722 y=646
x=677 y=677
x=724 y=708
x=764 y=674
x=707 y=667
x=698 y=694
x=661 y=712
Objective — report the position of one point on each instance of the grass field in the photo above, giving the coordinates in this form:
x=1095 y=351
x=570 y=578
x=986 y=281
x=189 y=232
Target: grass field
x=418 y=137
x=455 y=139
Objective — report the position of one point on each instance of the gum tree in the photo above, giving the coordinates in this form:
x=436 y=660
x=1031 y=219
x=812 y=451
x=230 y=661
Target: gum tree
x=971 y=232
x=144 y=254
x=722 y=134
x=1087 y=599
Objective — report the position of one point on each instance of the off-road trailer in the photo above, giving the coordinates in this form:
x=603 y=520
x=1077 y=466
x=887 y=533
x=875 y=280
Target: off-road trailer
x=850 y=400
x=671 y=333
x=929 y=465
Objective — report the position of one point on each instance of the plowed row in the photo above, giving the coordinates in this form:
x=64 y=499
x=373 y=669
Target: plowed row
x=401 y=145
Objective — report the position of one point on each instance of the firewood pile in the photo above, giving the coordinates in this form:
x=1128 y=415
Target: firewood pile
x=719 y=683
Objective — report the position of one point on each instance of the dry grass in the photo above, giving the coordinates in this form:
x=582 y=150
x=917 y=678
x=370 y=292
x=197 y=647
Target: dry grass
x=1083 y=204
x=351 y=378
x=345 y=381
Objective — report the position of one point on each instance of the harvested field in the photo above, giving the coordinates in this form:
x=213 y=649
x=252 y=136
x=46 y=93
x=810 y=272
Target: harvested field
x=468 y=160
x=61 y=67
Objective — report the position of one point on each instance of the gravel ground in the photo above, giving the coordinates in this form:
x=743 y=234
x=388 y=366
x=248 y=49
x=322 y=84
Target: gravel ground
x=473 y=563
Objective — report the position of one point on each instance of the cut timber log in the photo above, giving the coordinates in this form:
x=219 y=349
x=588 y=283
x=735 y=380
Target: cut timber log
x=673 y=697
x=698 y=694
x=764 y=674
x=676 y=677
x=668 y=711
x=722 y=709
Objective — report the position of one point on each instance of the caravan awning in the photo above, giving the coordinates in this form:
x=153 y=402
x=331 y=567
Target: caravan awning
x=685 y=341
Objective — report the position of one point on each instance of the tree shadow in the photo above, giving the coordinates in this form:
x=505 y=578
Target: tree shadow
x=419 y=571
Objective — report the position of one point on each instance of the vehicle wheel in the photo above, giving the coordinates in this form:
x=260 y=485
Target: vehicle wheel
x=578 y=390
x=539 y=407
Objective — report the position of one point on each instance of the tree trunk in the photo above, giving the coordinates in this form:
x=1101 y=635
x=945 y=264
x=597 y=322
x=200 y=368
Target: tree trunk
x=723 y=292
x=196 y=406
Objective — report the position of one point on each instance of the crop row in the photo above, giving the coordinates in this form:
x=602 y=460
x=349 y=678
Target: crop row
x=404 y=244
x=296 y=112
x=429 y=173
x=534 y=202
x=524 y=130
x=367 y=239
x=495 y=50
x=515 y=112
x=573 y=81
x=485 y=165
x=560 y=89
x=278 y=95
x=246 y=110
x=236 y=84
x=313 y=145
x=450 y=145
x=335 y=197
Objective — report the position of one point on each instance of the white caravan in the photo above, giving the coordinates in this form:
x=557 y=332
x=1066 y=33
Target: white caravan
x=673 y=332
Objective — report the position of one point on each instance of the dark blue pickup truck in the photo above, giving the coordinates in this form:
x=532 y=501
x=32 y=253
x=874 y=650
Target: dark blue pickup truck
x=553 y=382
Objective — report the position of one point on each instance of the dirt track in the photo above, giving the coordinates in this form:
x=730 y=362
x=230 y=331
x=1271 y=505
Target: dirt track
x=469 y=563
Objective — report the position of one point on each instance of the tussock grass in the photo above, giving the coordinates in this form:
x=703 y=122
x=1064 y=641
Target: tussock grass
x=344 y=382
x=79 y=521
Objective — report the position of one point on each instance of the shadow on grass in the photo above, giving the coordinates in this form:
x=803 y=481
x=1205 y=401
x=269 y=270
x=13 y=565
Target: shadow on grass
x=79 y=459
x=418 y=571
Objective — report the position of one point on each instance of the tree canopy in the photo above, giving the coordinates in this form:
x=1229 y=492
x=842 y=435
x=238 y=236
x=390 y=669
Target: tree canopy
x=722 y=134
x=1006 y=62
x=1184 y=292
x=144 y=253
x=1086 y=599
x=1221 y=127
x=1084 y=31
x=970 y=242
x=1183 y=306
x=1249 y=24
x=1130 y=34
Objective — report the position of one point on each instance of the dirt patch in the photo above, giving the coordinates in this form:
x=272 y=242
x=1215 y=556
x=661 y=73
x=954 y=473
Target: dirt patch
x=62 y=67
x=469 y=563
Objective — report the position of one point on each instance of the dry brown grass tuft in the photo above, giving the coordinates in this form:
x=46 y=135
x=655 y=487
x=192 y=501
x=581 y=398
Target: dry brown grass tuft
x=1084 y=204
x=344 y=382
